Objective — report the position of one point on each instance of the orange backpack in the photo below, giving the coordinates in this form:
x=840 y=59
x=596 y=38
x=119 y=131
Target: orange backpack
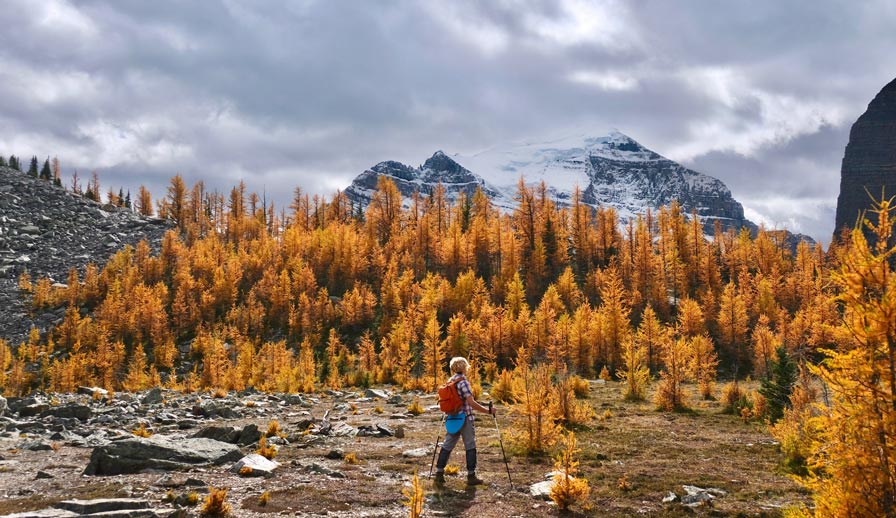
x=449 y=400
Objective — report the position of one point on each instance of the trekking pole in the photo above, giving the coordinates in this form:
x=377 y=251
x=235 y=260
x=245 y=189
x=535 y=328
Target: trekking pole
x=435 y=448
x=501 y=442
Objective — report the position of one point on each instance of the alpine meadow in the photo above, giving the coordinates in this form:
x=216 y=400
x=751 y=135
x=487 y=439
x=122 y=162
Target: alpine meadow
x=425 y=259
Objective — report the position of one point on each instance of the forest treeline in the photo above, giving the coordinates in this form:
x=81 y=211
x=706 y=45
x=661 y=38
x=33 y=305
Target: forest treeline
x=323 y=294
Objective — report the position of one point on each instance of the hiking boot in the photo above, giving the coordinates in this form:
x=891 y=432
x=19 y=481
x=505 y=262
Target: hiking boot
x=439 y=480
x=473 y=480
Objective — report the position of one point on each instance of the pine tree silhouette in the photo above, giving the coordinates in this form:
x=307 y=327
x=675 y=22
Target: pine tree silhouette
x=32 y=169
x=45 y=172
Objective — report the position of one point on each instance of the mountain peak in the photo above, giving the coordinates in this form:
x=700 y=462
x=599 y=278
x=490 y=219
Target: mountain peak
x=439 y=162
x=612 y=170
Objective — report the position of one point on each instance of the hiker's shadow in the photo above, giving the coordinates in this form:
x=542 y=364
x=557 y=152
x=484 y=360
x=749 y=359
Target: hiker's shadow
x=453 y=502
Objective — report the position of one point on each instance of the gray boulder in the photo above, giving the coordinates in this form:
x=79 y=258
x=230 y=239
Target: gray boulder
x=417 y=452
x=2 y=405
x=228 y=434
x=376 y=393
x=32 y=410
x=136 y=454
x=102 y=505
x=258 y=466
x=697 y=496
x=153 y=397
x=80 y=412
x=249 y=434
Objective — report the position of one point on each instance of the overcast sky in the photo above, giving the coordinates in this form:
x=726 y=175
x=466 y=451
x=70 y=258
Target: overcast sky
x=287 y=93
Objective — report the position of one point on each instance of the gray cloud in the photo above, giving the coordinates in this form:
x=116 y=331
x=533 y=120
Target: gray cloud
x=310 y=93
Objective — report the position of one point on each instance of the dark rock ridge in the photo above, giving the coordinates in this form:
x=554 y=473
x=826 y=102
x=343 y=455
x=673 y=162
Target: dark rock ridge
x=439 y=168
x=869 y=163
x=46 y=231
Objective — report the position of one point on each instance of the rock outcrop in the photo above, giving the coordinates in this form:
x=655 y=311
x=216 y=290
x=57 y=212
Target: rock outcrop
x=137 y=454
x=869 y=163
x=46 y=230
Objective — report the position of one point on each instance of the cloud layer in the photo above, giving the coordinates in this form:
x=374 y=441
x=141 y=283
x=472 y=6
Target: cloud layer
x=308 y=93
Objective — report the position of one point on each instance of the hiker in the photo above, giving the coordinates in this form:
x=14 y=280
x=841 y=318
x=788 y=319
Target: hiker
x=459 y=366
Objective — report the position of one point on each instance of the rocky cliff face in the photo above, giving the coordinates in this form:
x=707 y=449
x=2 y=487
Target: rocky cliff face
x=869 y=164
x=46 y=231
x=611 y=171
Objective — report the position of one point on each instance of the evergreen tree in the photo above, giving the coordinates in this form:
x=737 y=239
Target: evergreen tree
x=778 y=386
x=32 y=169
x=2 y=161
x=45 y=173
x=14 y=163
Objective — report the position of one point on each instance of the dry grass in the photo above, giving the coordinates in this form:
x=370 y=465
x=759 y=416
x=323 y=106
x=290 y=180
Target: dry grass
x=141 y=431
x=351 y=458
x=268 y=452
x=415 y=408
x=215 y=505
x=264 y=498
x=273 y=429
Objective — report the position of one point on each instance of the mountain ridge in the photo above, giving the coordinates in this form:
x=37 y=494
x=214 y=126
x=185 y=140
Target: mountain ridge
x=614 y=170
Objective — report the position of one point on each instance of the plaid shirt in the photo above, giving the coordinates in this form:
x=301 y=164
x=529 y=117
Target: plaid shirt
x=464 y=391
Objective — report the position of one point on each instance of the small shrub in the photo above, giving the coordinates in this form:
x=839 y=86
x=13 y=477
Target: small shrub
x=731 y=397
x=273 y=429
x=246 y=471
x=55 y=446
x=97 y=395
x=219 y=393
x=141 y=431
x=567 y=489
x=268 y=452
x=607 y=414
x=378 y=410
x=415 y=408
x=451 y=469
x=605 y=374
x=250 y=404
x=580 y=386
x=624 y=484
x=354 y=408
x=566 y=407
x=415 y=499
x=264 y=498
x=169 y=496
x=351 y=458
x=192 y=498
x=215 y=505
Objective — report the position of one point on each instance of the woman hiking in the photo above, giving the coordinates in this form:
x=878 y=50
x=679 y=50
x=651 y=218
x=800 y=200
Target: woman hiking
x=459 y=366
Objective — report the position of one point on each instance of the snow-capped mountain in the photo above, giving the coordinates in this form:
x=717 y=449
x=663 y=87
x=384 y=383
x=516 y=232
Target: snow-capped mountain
x=612 y=171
